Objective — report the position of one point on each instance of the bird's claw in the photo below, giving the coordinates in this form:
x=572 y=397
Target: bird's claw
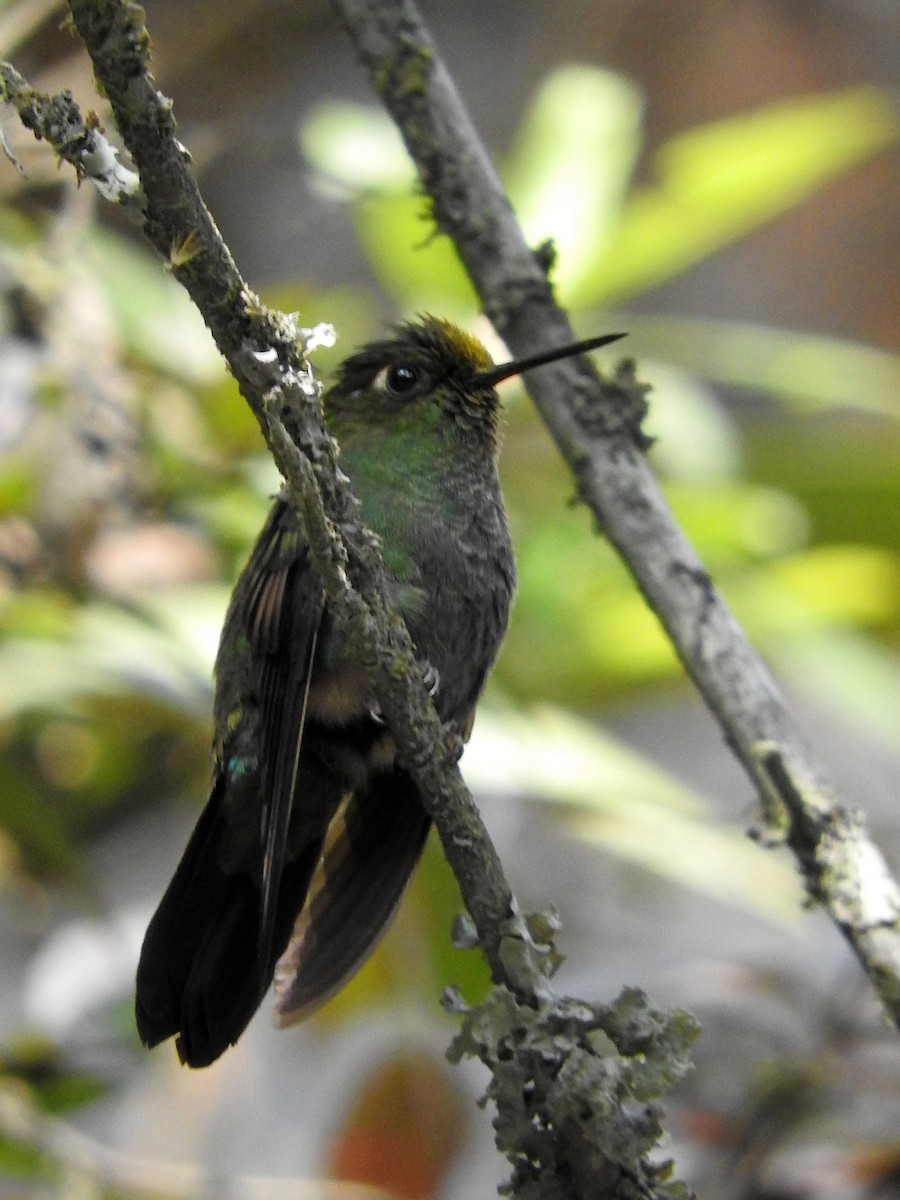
x=431 y=677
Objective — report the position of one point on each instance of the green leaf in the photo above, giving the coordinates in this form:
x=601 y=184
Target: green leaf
x=571 y=163
x=359 y=150
x=164 y=650
x=694 y=435
x=568 y=172
x=233 y=517
x=357 y=146
x=413 y=263
x=722 y=180
x=36 y=613
x=567 y=176
x=736 y=523
x=846 y=473
x=157 y=321
x=819 y=587
x=38 y=830
x=19 y=1160
x=611 y=640
x=806 y=371
x=68 y=1092
x=17 y=485
x=16 y=231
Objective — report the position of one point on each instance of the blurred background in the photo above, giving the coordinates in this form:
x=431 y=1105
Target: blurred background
x=720 y=178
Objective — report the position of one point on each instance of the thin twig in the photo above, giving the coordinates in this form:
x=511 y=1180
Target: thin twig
x=595 y=424
x=76 y=140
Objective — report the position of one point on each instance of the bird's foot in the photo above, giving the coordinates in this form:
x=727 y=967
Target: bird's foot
x=431 y=677
x=455 y=744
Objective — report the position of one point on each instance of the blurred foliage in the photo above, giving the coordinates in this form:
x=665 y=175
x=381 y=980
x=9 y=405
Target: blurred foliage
x=568 y=175
x=133 y=480
x=37 y=1084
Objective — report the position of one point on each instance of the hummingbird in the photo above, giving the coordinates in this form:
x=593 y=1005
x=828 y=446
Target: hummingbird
x=313 y=826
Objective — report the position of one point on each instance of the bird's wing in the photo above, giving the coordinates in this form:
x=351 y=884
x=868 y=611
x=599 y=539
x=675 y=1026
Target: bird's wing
x=281 y=602
x=209 y=951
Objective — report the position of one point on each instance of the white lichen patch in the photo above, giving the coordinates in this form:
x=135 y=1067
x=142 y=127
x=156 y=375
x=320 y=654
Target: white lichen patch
x=101 y=165
x=322 y=335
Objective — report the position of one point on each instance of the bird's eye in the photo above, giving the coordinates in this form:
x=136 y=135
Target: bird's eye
x=397 y=380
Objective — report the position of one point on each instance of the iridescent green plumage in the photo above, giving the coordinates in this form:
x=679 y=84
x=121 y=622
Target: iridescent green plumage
x=308 y=804
x=312 y=828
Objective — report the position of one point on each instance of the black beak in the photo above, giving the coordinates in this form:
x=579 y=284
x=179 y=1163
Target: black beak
x=516 y=367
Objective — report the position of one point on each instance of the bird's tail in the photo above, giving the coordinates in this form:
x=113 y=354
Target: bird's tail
x=201 y=975
x=371 y=850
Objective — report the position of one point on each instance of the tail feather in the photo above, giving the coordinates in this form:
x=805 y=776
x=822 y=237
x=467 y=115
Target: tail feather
x=204 y=969
x=201 y=974
x=371 y=851
x=190 y=904
x=229 y=975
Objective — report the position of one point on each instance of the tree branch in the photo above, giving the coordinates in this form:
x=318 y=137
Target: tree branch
x=595 y=424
